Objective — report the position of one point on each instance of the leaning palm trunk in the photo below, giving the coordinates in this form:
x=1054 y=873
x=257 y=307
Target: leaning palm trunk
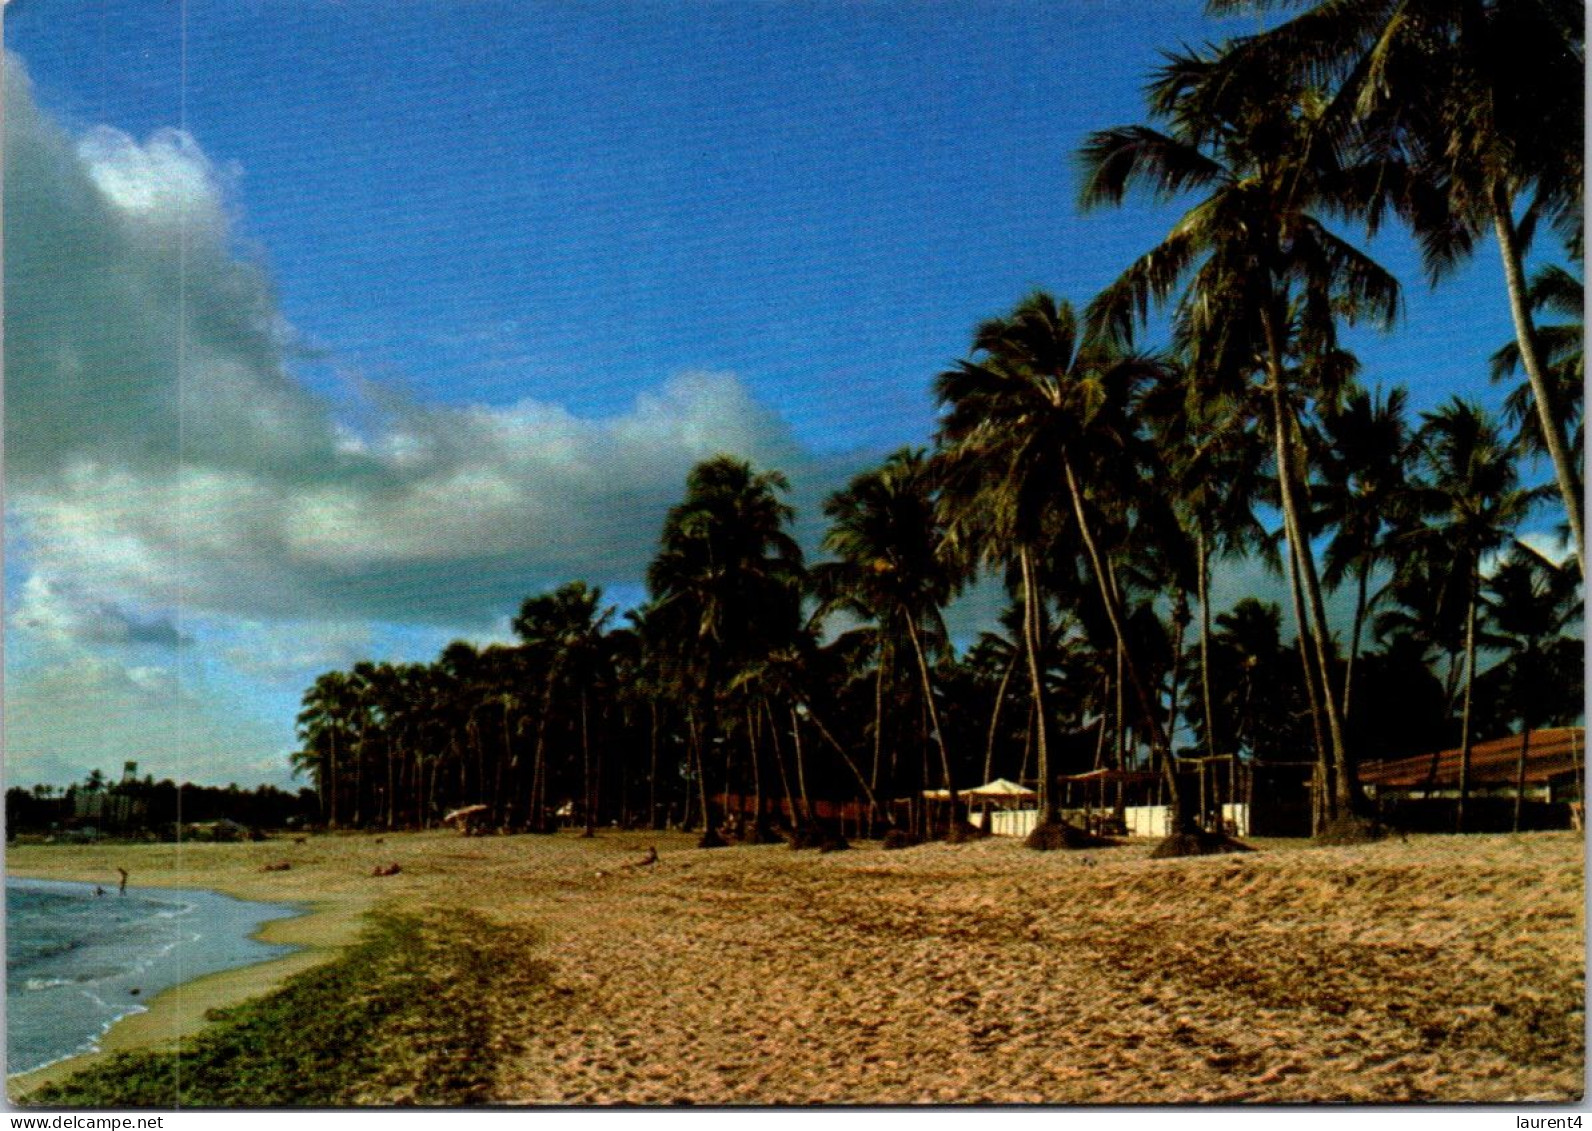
x=1470 y=683
x=1203 y=565
x=934 y=724
x=801 y=771
x=796 y=821
x=710 y=832
x=845 y=756
x=1282 y=429
x=1108 y=597
x=1323 y=807
x=995 y=716
x=1360 y=603
x=1531 y=360
x=1049 y=809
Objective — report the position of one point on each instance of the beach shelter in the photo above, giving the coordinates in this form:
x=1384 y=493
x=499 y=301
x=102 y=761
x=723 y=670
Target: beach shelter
x=1002 y=796
x=1003 y=790
x=470 y=816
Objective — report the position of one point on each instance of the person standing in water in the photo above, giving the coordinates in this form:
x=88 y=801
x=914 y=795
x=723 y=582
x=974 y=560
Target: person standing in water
x=122 y=888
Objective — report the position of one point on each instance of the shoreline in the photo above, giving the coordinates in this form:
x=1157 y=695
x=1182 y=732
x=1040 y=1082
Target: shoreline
x=320 y=930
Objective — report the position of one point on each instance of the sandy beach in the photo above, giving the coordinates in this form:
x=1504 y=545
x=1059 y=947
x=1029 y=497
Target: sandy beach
x=1437 y=968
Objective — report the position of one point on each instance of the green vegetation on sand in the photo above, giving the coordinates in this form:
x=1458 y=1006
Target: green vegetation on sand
x=403 y=1016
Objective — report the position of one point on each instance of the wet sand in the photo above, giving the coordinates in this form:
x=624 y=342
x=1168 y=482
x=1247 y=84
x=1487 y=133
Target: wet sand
x=1441 y=968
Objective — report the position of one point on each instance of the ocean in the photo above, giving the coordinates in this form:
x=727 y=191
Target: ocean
x=77 y=961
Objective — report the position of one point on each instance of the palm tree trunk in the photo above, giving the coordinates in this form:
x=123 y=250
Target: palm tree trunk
x=1520 y=769
x=878 y=707
x=508 y=762
x=652 y=773
x=387 y=801
x=1531 y=360
x=1282 y=428
x=1120 y=731
x=757 y=774
x=801 y=771
x=934 y=724
x=331 y=793
x=708 y=830
x=1180 y=624
x=1360 y=603
x=1323 y=804
x=1203 y=568
x=1049 y=810
x=1109 y=597
x=779 y=763
x=995 y=716
x=538 y=799
x=585 y=768
x=1470 y=683
x=846 y=757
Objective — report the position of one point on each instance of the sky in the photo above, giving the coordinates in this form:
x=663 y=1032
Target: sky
x=335 y=328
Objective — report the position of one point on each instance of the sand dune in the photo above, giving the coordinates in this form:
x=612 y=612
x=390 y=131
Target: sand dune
x=1441 y=968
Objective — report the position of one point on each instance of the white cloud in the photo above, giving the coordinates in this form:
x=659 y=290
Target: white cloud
x=161 y=452
x=62 y=615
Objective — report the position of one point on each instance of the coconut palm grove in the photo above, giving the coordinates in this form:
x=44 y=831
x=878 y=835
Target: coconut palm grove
x=1102 y=456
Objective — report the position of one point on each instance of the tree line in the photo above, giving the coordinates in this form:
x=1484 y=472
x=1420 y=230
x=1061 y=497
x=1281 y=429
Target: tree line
x=139 y=806
x=1103 y=477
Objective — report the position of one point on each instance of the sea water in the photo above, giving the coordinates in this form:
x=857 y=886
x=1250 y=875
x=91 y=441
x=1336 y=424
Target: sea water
x=78 y=960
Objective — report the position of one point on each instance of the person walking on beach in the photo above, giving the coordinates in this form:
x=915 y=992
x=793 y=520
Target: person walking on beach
x=122 y=888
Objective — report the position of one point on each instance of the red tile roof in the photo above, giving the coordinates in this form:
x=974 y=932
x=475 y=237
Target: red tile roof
x=1553 y=753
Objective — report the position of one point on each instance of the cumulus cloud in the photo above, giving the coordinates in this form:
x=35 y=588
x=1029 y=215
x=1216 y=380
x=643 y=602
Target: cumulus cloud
x=60 y=614
x=162 y=454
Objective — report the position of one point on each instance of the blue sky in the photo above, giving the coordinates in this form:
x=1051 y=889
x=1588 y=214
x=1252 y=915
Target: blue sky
x=464 y=288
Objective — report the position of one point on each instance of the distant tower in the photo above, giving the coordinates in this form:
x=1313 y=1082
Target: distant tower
x=129 y=772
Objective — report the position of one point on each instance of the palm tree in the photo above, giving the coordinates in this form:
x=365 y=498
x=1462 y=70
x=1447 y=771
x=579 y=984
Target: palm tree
x=1557 y=291
x=1467 y=495
x=1530 y=600
x=1363 y=470
x=1263 y=280
x=725 y=586
x=1039 y=404
x=561 y=629
x=891 y=568
x=1212 y=463
x=324 y=720
x=1475 y=106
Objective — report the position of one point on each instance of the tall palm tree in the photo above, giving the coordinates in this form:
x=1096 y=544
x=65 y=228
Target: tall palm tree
x=1213 y=462
x=1530 y=601
x=1363 y=470
x=1556 y=291
x=324 y=727
x=562 y=630
x=891 y=568
x=725 y=585
x=1032 y=427
x=1476 y=106
x=1467 y=494
x=1262 y=279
